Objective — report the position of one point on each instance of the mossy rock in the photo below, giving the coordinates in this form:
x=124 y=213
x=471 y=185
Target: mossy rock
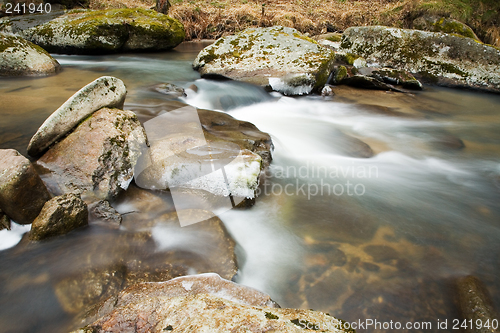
x=279 y=57
x=443 y=24
x=104 y=31
x=446 y=59
x=18 y=57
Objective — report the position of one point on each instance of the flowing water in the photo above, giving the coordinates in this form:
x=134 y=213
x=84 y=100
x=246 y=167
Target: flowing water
x=360 y=233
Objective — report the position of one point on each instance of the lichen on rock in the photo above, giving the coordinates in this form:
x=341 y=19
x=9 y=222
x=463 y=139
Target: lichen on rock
x=204 y=303
x=278 y=57
x=104 y=31
x=97 y=159
x=443 y=24
x=18 y=57
x=447 y=59
x=106 y=91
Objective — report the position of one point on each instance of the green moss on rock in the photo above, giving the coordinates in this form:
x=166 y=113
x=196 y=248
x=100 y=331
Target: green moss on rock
x=443 y=24
x=447 y=59
x=107 y=31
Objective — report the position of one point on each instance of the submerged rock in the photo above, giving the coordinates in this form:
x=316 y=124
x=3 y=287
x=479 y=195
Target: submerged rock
x=474 y=304
x=18 y=57
x=279 y=57
x=22 y=192
x=443 y=24
x=59 y=216
x=203 y=303
x=97 y=159
x=441 y=58
x=204 y=150
x=103 y=31
x=76 y=292
x=106 y=91
x=170 y=89
x=102 y=210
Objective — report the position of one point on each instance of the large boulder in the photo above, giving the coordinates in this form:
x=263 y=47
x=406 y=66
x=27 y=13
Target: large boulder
x=18 y=57
x=203 y=150
x=203 y=303
x=443 y=24
x=104 y=31
x=97 y=159
x=59 y=216
x=22 y=192
x=279 y=57
x=441 y=58
x=106 y=91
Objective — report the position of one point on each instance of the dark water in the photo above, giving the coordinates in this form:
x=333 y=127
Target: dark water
x=379 y=238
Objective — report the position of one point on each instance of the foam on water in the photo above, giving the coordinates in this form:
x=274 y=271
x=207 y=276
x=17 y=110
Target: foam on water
x=10 y=238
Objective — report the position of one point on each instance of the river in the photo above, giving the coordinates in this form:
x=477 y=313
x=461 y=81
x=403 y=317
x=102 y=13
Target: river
x=333 y=229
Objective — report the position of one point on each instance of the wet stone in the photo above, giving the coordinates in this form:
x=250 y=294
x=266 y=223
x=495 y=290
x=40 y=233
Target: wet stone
x=4 y=221
x=474 y=303
x=59 y=216
x=84 y=289
x=381 y=253
x=103 y=211
x=170 y=89
x=22 y=192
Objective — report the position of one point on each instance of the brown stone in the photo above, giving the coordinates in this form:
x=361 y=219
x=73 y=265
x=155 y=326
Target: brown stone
x=59 y=216
x=202 y=303
x=98 y=157
x=474 y=303
x=22 y=192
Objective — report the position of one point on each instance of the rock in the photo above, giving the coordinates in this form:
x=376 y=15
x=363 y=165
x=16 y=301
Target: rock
x=77 y=292
x=178 y=144
x=18 y=57
x=170 y=89
x=474 y=304
x=396 y=77
x=327 y=91
x=279 y=57
x=98 y=158
x=102 y=210
x=373 y=78
x=440 y=58
x=22 y=192
x=338 y=75
x=4 y=221
x=367 y=82
x=103 y=31
x=106 y=91
x=443 y=24
x=59 y=216
x=203 y=303
x=141 y=204
x=331 y=36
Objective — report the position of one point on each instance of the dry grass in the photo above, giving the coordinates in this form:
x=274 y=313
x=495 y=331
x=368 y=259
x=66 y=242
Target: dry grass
x=211 y=19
